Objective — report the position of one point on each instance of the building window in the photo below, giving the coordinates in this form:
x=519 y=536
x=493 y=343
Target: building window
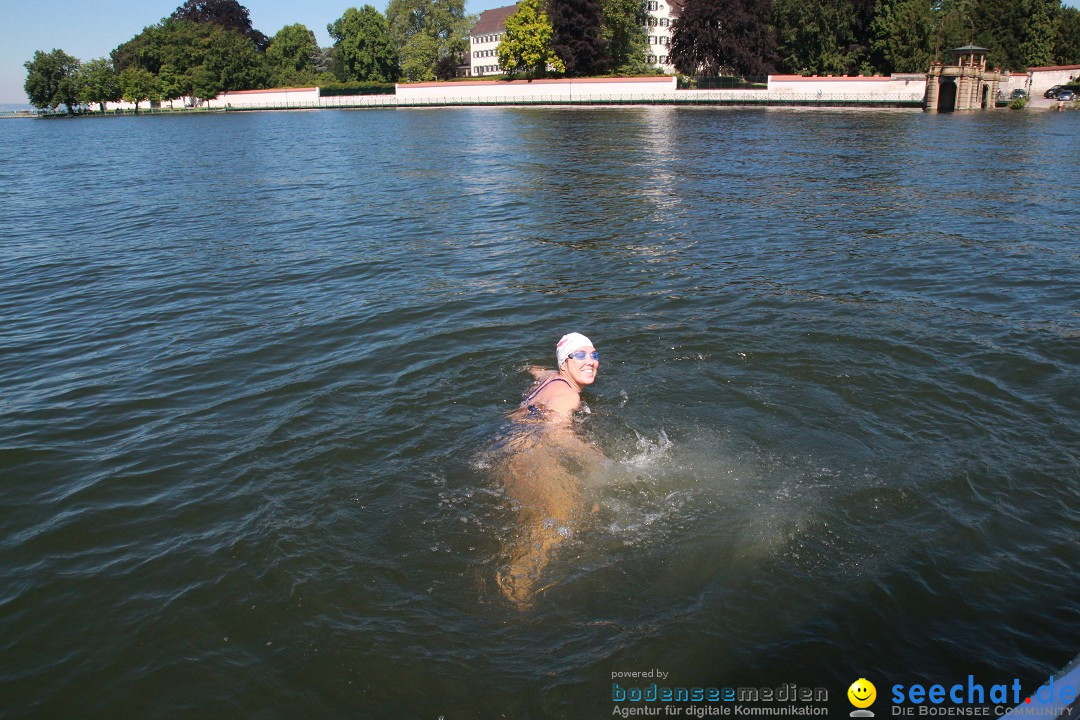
x=652 y=22
x=663 y=22
x=652 y=59
x=663 y=60
x=653 y=6
x=663 y=39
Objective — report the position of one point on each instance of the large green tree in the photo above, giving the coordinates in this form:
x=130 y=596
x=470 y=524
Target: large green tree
x=52 y=79
x=1067 y=40
x=139 y=84
x=625 y=36
x=1037 y=46
x=99 y=83
x=903 y=36
x=578 y=37
x=292 y=55
x=176 y=50
x=818 y=37
x=363 y=47
x=234 y=59
x=525 y=48
x=426 y=32
x=712 y=37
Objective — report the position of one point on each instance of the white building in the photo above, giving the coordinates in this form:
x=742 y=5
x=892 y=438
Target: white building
x=662 y=14
x=484 y=40
x=485 y=36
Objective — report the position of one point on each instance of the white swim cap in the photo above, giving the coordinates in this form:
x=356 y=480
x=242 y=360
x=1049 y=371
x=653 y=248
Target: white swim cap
x=569 y=343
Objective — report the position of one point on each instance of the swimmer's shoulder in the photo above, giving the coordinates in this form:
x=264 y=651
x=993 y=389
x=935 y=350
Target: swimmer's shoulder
x=559 y=398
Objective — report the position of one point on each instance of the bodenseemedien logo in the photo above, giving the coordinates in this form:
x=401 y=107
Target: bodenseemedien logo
x=862 y=694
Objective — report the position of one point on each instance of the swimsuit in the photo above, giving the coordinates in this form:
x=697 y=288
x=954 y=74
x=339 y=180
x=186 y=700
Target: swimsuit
x=527 y=402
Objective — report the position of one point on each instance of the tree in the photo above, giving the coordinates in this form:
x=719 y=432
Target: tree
x=205 y=83
x=143 y=50
x=817 y=37
x=363 y=47
x=446 y=67
x=1067 y=41
x=1001 y=26
x=175 y=84
x=526 y=45
x=229 y=14
x=234 y=60
x=578 y=37
x=292 y=55
x=625 y=36
x=52 y=79
x=175 y=50
x=903 y=36
x=711 y=37
x=139 y=84
x=427 y=31
x=99 y=83
x=1037 y=48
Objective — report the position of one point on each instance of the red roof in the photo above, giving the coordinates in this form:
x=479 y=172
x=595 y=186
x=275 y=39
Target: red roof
x=493 y=21
x=1054 y=67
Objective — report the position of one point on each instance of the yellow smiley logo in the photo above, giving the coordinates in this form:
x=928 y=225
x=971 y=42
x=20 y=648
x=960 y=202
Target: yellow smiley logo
x=862 y=693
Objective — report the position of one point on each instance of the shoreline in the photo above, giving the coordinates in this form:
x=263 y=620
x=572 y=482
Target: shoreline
x=367 y=103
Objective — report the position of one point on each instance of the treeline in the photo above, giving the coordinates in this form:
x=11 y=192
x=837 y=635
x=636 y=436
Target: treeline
x=804 y=37
x=207 y=47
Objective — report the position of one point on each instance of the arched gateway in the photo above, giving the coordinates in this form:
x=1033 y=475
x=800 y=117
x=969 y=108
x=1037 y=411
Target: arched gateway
x=964 y=85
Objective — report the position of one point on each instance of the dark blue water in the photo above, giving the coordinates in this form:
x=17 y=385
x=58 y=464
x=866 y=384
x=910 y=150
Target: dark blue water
x=255 y=369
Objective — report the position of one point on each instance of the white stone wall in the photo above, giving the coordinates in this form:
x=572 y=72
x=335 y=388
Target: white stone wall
x=1016 y=81
x=1042 y=79
x=795 y=87
x=554 y=90
x=483 y=58
x=278 y=97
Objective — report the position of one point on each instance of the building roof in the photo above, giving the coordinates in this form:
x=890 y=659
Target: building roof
x=1048 y=68
x=493 y=21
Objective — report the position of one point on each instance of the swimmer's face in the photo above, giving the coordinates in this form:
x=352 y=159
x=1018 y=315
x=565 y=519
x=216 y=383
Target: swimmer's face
x=583 y=371
x=862 y=693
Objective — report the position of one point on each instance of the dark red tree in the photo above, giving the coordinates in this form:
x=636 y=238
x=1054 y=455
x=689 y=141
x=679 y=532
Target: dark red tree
x=229 y=14
x=577 y=39
x=711 y=37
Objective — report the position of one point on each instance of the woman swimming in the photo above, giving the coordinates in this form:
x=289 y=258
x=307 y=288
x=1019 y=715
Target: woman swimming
x=557 y=393
x=542 y=470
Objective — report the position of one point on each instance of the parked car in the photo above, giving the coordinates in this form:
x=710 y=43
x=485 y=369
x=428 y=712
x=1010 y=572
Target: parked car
x=1052 y=92
x=1066 y=96
x=1018 y=93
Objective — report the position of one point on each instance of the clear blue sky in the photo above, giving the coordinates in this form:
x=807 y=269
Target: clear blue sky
x=89 y=29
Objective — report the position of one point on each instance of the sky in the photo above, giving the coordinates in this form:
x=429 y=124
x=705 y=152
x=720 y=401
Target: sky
x=90 y=29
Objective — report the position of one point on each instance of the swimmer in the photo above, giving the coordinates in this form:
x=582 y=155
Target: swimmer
x=543 y=468
x=557 y=393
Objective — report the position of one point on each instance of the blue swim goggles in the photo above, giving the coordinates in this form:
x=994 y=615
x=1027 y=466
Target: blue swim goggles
x=581 y=355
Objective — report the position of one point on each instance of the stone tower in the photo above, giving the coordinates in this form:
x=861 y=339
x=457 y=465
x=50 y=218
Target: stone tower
x=964 y=85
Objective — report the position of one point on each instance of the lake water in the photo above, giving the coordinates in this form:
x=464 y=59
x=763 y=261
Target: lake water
x=254 y=369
